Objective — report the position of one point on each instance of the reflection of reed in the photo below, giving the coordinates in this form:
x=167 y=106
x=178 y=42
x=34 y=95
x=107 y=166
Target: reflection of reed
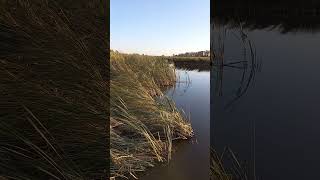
x=181 y=84
x=249 y=65
x=217 y=57
x=186 y=82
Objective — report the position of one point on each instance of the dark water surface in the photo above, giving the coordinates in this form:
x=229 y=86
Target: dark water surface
x=190 y=160
x=274 y=125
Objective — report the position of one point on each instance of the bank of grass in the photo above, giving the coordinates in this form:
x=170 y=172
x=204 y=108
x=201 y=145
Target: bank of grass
x=143 y=122
x=53 y=90
x=191 y=63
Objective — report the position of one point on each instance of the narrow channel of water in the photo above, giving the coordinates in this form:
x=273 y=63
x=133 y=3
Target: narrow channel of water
x=190 y=159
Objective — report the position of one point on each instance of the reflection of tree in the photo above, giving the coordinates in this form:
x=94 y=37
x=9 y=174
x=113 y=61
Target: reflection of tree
x=193 y=65
x=286 y=15
x=248 y=65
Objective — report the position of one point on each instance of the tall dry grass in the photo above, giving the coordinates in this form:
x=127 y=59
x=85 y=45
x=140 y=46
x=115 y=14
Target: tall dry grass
x=143 y=122
x=54 y=89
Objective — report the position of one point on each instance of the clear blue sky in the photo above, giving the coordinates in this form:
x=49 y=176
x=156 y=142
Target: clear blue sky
x=159 y=27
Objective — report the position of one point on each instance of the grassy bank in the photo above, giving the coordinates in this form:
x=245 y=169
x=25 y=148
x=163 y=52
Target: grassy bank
x=189 y=59
x=54 y=99
x=191 y=63
x=143 y=122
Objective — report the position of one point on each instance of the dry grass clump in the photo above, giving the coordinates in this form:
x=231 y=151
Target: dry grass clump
x=54 y=90
x=143 y=121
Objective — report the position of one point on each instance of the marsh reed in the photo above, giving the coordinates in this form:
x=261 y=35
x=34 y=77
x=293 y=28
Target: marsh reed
x=143 y=121
x=54 y=89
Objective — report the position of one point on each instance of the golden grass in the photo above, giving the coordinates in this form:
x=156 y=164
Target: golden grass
x=143 y=121
x=54 y=96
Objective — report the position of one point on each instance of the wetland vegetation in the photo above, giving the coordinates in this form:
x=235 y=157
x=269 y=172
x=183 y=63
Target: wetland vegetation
x=191 y=62
x=143 y=121
x=54 y=90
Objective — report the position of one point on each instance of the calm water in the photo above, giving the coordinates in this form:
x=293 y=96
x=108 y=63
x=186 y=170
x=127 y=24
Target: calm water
x=274 y=125
x=190 y=160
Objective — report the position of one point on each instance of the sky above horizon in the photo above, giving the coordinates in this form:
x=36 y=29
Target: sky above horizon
x=159 y=27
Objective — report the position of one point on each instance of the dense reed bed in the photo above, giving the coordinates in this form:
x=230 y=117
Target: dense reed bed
x=54 y=90
x=143 y=122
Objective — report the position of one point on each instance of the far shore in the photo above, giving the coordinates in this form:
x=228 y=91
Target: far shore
x=191 y=63
x=189 y=58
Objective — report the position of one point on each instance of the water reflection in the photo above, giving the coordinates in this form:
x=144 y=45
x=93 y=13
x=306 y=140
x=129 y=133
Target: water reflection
x=267 y=113
x=193 y=65
x=285 y=15
x=245 y=65
x=190 y=159
x=245 y=61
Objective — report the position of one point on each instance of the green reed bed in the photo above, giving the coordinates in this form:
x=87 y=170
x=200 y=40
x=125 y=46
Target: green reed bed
x=143 y=122
x=54 y=99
